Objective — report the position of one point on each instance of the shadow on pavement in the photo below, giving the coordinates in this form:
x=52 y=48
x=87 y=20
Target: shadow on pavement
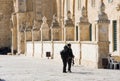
x=2 y=80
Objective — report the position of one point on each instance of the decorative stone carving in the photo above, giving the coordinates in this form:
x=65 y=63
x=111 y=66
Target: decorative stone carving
x=102 y=15
x=22 y=27
x=45 y=30
x=69 y=28
x=55 y=22
x=44 y=24
x=84 y=18
x=28 y=26
x=118 y=7
x=84 y=26
x=55 y=29
x=36 y=25
x=69 y=21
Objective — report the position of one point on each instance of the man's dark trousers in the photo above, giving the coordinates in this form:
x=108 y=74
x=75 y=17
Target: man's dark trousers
x=64 y=64
x=69 y=64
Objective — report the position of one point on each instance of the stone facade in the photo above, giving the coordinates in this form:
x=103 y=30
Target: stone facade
x=5 y=23
x=94 y=23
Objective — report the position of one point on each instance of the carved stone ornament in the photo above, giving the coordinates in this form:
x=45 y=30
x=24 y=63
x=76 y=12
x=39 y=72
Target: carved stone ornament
x=22 y=27
x=84 y=18
x=44 y=19
x=118 y=7
x=84 y=12
x=102 y=15
x=44 y=24
x=69 y=15
x=102 y=7
x=28 y=26
x=69 y=21
x=55 y=22
x=35 y=25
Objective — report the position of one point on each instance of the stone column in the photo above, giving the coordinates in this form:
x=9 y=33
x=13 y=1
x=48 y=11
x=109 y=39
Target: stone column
x=102 y=35
x=84 y=26
x=25 y=42
x=45 y=36
x=33 y=39
x=22 y=39
x=55 y=33
x=14 y=34
x=69 y=28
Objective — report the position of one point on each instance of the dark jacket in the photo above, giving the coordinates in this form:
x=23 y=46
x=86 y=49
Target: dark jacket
x=70 y=53
x=64 y=53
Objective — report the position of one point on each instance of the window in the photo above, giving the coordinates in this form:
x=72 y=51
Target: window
x=90 y=32
x=114 y=35
x=93 y=3
x=76 y=33
x=79 y=4
x=109 y=1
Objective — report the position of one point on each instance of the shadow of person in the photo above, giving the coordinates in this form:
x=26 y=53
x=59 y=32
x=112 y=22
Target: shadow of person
x=2 y=80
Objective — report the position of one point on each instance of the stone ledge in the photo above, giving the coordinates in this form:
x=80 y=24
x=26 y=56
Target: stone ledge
x=89 y=42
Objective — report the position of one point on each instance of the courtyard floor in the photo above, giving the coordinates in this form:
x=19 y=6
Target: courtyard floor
x=21 y=68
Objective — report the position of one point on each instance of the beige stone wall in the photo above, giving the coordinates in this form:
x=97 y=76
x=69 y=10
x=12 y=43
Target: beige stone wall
x=6 y=8
x=89 y=57
x=56 y=34
x=31 y=10
x=111 y=11
x=45 y=8
x=113 y=14
x=69 y=32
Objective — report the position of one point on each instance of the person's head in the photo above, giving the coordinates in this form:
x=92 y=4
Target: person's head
x=69 y=45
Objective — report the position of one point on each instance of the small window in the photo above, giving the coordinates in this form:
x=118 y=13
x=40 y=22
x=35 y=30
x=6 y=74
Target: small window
x=76 y=33
x=114 y=35
x=90 y=32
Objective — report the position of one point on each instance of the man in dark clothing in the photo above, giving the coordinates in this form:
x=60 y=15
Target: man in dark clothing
x=67 y=56
x=64 y=56
x=70 y=57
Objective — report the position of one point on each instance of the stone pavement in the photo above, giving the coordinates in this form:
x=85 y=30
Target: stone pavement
x=21 y=68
